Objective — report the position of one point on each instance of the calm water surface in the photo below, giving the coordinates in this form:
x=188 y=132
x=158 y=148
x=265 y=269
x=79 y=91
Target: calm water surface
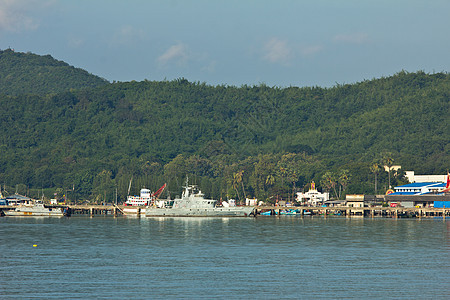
x=257 y=258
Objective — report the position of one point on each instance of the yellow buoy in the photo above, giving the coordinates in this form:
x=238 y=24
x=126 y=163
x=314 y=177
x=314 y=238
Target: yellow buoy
x=35 y=245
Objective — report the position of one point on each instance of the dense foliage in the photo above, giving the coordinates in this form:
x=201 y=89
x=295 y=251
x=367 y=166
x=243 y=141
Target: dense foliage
x=248 y=141
x=27 y=73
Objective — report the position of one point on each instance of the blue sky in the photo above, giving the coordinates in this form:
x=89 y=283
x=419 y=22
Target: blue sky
x=279 y=43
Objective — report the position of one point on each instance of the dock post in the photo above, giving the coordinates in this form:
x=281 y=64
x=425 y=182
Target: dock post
x=347 y=213
x=138 y=212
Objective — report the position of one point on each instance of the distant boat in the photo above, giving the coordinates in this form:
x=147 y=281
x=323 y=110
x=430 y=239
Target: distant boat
x=35 y=209
x=288 y=212
x=307 y=213
x=193 y=204
x=138 y=204
x=135 y=204
x=267 y=213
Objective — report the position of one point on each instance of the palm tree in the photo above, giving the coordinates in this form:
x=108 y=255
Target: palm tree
x=388 y=162
x=344 y=179
x=238 y=179
x=375 y=168
x=293 y=176
x=329 y=181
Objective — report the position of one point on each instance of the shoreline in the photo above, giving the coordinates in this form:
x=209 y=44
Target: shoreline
x=342 y=211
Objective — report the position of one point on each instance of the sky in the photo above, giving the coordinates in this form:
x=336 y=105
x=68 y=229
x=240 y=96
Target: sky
x=226 y=42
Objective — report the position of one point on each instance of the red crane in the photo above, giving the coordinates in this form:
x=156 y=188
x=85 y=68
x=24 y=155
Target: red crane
x=158 y=192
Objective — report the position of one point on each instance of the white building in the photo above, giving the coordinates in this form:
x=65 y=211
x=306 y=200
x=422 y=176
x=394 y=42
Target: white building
x=354 y=200
x=424 y=178
x=313 y=197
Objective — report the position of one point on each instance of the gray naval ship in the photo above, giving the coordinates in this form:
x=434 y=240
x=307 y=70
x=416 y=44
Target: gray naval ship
x=37 y=209
x=193 y=204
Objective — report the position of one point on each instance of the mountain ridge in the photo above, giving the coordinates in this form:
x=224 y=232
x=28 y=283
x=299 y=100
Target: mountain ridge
x=27 y=73
x=95 y=138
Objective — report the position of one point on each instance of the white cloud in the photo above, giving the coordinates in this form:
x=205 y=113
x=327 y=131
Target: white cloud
x=127 y=35
x=177 y=53
x=16 y=15
x=277 y=51
x=354 y=38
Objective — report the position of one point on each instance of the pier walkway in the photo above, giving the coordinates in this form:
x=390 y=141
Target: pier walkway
x=362 y=211
x=116 y=210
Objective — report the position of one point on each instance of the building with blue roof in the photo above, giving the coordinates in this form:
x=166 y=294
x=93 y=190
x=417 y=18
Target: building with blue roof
x=420 y=194
x=419 y=188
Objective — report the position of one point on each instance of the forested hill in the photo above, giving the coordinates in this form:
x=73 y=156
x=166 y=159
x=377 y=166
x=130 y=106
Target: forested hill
x=27 y=73
x=256 y=141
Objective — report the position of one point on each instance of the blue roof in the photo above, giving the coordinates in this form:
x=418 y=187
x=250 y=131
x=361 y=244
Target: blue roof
x=422 y=184
x=431 y=193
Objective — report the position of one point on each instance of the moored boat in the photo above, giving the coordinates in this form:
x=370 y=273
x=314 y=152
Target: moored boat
x=289 y=212
x=193 y=204
x=36 y=209
x=138 y=204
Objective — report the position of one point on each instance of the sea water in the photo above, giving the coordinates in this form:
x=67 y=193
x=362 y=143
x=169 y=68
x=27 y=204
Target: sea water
x=229 y=258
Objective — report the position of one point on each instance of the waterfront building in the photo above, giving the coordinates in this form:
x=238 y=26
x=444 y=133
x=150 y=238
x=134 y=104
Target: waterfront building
x=313 y=197
x=424 y=178
x=419 y=188
x=422 y=194
x=355 y=200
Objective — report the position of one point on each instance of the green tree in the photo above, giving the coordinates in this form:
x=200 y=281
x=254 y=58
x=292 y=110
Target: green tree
x=388 y=161
x=329 y=181
x=238 y=176
x=175 y=169
x=104 y=187
x=263 y=175
x=344 y=180
x=375 y=169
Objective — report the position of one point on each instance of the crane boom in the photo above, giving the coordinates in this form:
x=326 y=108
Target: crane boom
x=158 y=192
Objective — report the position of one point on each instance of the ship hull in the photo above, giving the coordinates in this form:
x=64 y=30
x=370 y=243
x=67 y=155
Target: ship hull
x=14 y=213
x=239 y=211
x=133 y=210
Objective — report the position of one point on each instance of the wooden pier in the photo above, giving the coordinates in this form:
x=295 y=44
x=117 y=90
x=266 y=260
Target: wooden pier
x=393 y=212
x=95 y=210
x=87 y=210
x=389 y=212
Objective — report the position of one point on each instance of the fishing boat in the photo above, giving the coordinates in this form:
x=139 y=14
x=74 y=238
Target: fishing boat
x=268 y=213
x=34 y=209
x=193 y=204
x=289 y=212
